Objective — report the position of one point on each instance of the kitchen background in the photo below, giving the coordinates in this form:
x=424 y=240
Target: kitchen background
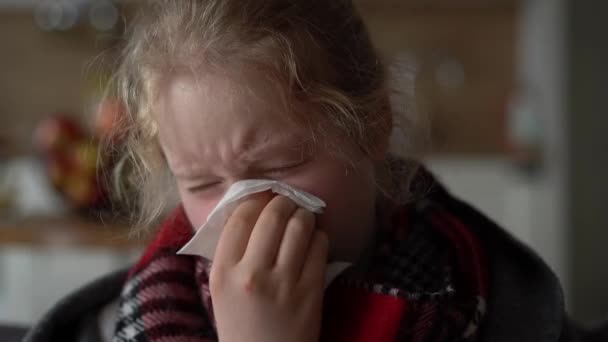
x=515 y=91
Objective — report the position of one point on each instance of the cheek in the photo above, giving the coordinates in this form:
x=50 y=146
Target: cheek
x=332 y=180
x=350 y=198
x=345 y=192
x=197 y=208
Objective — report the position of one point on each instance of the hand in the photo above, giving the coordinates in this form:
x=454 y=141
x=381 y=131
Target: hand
x=268 y=274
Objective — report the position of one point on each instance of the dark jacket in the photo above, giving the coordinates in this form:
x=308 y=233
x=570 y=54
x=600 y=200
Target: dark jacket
x=525 y=298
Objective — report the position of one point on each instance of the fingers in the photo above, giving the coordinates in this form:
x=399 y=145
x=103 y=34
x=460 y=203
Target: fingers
x=267 y=235
x=314 y=268
x=237 y=230
x=296 y=243
x=267 y=232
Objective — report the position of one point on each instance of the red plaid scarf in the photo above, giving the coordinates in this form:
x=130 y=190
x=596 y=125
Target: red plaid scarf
x=425 y=280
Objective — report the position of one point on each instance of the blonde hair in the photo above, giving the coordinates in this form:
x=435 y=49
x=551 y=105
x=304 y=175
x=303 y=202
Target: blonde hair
x=319 y=49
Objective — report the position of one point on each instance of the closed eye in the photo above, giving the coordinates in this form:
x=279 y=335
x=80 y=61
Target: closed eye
x=280 y=171
x=203 y=187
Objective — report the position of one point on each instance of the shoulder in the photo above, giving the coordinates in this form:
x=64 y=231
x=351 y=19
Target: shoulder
x=78 y=312
x=525 y=298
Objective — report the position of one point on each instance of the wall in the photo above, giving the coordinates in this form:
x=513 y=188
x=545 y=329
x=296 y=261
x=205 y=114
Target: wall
x=468 y=110
x=40 y=73
x=542 y=76
x=588 y=127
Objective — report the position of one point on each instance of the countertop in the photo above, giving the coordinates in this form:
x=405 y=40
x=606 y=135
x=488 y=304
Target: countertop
x=68 y=232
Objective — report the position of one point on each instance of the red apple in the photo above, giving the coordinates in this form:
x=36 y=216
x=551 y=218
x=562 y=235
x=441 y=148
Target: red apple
x=56 y=133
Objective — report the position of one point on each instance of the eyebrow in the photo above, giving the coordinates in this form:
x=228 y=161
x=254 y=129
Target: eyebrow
x=259 y=151
x=254 y=153
x=191 y=172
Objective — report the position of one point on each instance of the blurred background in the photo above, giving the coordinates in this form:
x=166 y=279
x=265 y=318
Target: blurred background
x=515 y=90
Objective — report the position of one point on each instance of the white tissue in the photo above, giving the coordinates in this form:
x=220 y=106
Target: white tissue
x=204 y=242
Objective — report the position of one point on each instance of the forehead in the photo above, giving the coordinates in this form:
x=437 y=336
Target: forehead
x=196 y=111
x=219 y=98
x=243 y=90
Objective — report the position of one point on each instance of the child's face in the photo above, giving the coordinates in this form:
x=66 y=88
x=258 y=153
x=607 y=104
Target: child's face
x=216 y=130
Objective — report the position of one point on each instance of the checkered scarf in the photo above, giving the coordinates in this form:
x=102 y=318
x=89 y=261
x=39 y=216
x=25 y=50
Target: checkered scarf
x=424 y=280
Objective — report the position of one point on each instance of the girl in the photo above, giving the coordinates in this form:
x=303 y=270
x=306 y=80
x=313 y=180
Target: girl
x=219 y=91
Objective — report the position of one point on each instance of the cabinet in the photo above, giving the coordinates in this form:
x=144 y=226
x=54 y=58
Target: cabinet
x=42 y=260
